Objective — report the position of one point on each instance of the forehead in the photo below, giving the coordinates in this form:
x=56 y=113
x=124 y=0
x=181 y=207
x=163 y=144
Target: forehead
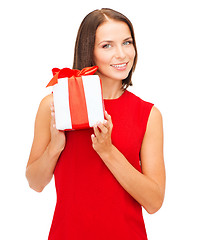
x=112 y=30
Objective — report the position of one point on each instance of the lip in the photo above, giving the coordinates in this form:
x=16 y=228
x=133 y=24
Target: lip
x=120 y=66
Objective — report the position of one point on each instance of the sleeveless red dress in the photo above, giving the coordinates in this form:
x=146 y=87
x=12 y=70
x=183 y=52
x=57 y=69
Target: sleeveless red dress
x=91 y=204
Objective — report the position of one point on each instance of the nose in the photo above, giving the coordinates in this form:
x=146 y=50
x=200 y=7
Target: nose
x=120 y=54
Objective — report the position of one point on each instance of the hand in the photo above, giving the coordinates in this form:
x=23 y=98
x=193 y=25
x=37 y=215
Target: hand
x=58 y=140
x=101 y=139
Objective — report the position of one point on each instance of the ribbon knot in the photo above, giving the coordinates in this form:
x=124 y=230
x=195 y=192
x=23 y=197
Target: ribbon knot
x=67 y=72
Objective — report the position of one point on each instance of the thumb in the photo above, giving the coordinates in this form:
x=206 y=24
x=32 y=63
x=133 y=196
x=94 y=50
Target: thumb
x=52 y=116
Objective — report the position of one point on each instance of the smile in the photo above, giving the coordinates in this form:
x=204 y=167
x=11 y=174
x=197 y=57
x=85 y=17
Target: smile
x=120 y=66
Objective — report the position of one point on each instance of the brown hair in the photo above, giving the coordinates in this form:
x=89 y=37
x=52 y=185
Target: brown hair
x=84 y=46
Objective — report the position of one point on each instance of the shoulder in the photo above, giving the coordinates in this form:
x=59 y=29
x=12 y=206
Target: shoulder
x=43 y=113
x=155 y=115
x=46 y=101
x=155 y=121
x=152 y=144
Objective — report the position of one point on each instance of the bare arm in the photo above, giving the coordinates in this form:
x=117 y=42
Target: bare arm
x=148 y=187
x=47 y=145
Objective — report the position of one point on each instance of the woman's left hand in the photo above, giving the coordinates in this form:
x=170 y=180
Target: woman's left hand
x=101 y=139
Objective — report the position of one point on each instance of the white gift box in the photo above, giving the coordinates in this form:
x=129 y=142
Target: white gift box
x=78 y=98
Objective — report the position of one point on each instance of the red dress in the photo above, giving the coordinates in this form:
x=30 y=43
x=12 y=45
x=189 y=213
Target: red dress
x=91 y=204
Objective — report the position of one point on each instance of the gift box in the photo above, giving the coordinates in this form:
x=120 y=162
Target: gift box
x=78 y=98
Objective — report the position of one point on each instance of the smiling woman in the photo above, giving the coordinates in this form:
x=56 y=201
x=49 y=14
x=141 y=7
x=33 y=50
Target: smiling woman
x=106 y=174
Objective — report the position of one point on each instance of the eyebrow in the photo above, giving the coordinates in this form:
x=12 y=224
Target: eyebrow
x=109 y=41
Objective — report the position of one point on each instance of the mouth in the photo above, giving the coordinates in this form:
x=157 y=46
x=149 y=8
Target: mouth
x=120 y=66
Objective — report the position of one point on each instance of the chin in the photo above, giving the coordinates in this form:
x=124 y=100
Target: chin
x=121 y=76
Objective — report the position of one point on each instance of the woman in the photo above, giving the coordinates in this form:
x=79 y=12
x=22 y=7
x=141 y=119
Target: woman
x=103 y=175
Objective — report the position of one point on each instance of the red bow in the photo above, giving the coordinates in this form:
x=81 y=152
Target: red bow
x=67 y=72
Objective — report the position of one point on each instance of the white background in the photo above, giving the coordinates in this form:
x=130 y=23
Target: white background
x=171 y=72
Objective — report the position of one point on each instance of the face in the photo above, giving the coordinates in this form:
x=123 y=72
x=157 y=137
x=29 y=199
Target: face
x=114 y=51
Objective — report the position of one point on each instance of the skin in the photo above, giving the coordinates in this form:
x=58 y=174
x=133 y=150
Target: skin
x=113 y=46
x=148 y=187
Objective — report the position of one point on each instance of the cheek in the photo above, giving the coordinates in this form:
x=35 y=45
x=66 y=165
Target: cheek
x=101 y=59
x=132 y=53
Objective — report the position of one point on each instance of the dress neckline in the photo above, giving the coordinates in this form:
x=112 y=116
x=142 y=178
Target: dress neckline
x=115 y=99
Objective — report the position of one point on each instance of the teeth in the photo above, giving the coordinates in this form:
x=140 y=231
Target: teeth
x=119 y=66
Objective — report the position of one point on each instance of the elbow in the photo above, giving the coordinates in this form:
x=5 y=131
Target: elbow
x=156 y=203
x=155 y=207
x=152 y=210
x=36 y=188
x=32 y=185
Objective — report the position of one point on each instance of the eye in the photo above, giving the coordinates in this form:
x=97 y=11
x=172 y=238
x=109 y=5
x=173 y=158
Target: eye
x=128 y=42
x=106 y=45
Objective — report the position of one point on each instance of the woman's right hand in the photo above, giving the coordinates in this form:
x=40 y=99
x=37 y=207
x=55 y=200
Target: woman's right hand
x=58 y=139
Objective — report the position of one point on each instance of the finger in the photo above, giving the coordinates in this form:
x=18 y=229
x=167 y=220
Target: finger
x=53 y=119
x=106 y=113
x=109 y=120
x=103 y=128
x=106 y=123
x=52 y=103
x=97 y=132
x=93 y=138
x=52 y=108
x=108 y=117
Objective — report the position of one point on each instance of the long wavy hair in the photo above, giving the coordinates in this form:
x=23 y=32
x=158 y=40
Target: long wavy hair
x=85 y=41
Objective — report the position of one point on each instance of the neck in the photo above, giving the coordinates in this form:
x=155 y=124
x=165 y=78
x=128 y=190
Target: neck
x=112 y=89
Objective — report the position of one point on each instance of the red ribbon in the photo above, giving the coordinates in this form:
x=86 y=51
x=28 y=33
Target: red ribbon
x=67 y=72
x=77 y=101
